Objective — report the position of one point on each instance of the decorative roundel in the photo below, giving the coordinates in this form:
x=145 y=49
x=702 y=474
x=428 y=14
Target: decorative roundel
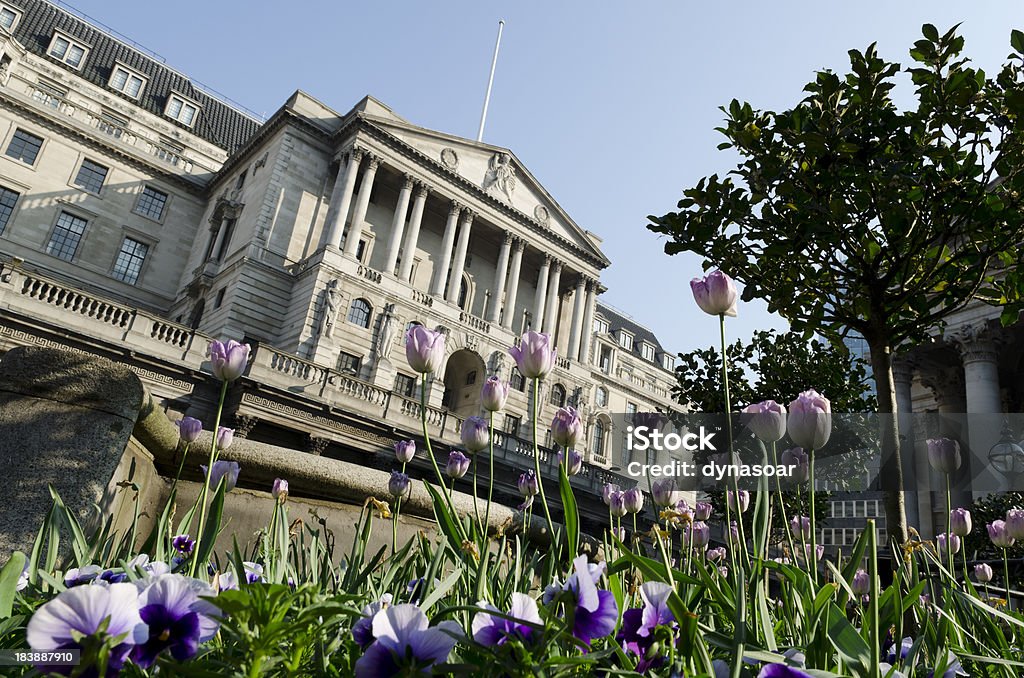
x=540 y=213
x=449 y=158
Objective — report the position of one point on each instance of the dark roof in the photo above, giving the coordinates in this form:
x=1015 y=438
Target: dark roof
x=217 y=122
x=619 y=321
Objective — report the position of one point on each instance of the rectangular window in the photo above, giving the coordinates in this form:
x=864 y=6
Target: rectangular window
x=668 y=361
x=126 y=82
x=151 y=203
x=7 y=17
x=91 y=176
x=647 y=351
x=630 y=408
x=49 y=94
x=129 y=261
x=229 y=230
x=600 y=326
x=65 y=49
x=181 y=110
x=512 y=424
x=67 y=234
x=405 y=385
x=348 y=363
x=24 y=147
x=626 y=340
x=8 y=199
x=606 y=360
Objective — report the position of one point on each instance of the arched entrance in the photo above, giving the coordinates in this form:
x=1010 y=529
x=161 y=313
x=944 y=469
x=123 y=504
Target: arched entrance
x=463 y=377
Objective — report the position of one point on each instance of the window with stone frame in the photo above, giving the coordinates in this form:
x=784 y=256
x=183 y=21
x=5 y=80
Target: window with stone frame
x=557 y=397
x=8 y=200
x=359 y=313
x=516 y=380
x=67 y=236
x=24 y=146
x=348 y=363
x=405 y=385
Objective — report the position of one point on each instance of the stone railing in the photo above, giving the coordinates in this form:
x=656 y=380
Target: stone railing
x=421 y=298
x=370 y=274
x=478 y=324
x=76 y=302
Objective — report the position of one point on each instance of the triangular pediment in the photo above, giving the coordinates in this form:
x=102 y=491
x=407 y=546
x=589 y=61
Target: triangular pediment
x=493 y=169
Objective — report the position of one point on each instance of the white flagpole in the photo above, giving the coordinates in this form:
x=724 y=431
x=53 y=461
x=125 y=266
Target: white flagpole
x=490 y=81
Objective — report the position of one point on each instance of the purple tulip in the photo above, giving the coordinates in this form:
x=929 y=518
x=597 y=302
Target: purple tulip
x=494 y=394
x=742 y=505
x=664 y=492
x=947 y=544
x=699 y=534
x=999 y=535
x=566 y=427
x=228 y=470
x=617 y=507
x=405 y=450
x=638 y=625
x=189 y=429
x=702 y=510
x=229 y=359
x=723 y=570
x=1015 y=523
x=474 y=434
x=596 y=612
x=861 y=584
x=819 y=551
x=766 y=420
x=782 y=671
x=607 y=491
x=796 y=457
x=424 y=349
x=490 y=631
x=61 y=623
x=944 y=454
x=633 y=500
x=715 y=294
x=734 y=531
x=810 y=420
x=575 y=464
x=535 y=355
x=715 y=554
x=457 y=466
x=800 y=526
x=178 y=618
x=528 y=485
x=960 y=522
x=225 y=436
x=399 y=485
x=362 y=630
x=183 y=544
x=983 y=573
x=406 y=643
x=279 y=490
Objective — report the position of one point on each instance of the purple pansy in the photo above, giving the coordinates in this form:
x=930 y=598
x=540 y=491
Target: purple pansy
x=362 y=630
x=183 y=544
x=782 y=671
x=596 y=611
x=405 y=641
x=490 y=630
x=77 y=576
x=638 y=624
x=178 y=618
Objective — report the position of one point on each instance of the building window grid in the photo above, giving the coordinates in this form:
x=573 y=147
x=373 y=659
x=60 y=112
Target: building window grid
x=359 y=313
x=8 y=199
x=647 y=351
x=67 y=51
x=405 y=385
x=130 y=259
x=126 y=82
x=67 y=235
x=7 y=17
x=348 y=363
x=516 y=380
x=48 y=95
x=601 y=326
x=180 y=110
x=24 y=146
x=601 y=397
x=152 y=203
x=626 y=340
x=91 y=176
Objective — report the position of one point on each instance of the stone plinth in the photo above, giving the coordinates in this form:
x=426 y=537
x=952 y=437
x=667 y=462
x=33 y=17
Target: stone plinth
x=65 y=419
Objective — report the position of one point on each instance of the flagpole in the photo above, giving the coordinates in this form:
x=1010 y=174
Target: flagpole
x=490 y=81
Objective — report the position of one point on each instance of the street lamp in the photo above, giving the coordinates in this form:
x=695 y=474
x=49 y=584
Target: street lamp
x=1006 y=456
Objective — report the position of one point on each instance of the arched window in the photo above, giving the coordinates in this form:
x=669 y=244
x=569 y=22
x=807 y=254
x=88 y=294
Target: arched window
x=516 y=380
x=597 y=439
x=359 y=313
x=601 y=397
x=463 y=294
x=558 y=395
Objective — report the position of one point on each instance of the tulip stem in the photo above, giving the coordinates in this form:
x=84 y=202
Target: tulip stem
x=949 y=527
x=1006 y=575
x=206 y=482
x=394 y=521
x=430 y=455
x=728 y=428
x=476 y=508
x=813 y=566
x=536 y=463
x=490 y=479
x=782 y=508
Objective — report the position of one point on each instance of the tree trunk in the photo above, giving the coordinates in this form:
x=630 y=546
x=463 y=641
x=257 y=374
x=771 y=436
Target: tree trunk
x=892 y=469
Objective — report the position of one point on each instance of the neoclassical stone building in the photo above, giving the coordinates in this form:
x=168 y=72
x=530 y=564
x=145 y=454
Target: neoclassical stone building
x=142 y=215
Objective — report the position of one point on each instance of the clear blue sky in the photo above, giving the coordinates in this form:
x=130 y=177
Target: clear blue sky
x=612 y=106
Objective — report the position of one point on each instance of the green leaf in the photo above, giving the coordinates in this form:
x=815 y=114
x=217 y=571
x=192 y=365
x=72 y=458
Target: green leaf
x=847 y=642
x=929 y=31
x=1017 y=41
x=9 y=577
x=441 y=589
x=444 y=517
x=572 y=515
x=212 y=527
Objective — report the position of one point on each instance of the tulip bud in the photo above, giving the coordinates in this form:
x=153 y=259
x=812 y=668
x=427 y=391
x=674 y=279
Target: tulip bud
x=279 y=490
x=810 y=420
x=724 y=571
x=617 y=507
x=999 y=535
x=225 y=436
x=633 y=499
x=228 y=359
x=458 y=464
x=607 y=491
x=715 y=554
x=664 y=493
x=494 y=394
x=944 y=454
x=797 y=459
x=535 y=355
x=861 y=584
x=766 y=420
x=702 y=510
x=947 y=544
x=960 y=522
x=983 y=573
x=800 y=526
x=575 y=464
x=228 y=470
x=819 y=551
x=734 y=531
x=189 y=429
x=424 y=349
x=1015 y=523
x=475 y=434
x=742 y=505
x=528 y=485
x=399 y=485
x=699 y=534
x=715 y=294
x=566 y=427
x=405 y=450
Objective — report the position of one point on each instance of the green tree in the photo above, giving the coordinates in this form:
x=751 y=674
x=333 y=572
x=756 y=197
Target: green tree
x=845 y=213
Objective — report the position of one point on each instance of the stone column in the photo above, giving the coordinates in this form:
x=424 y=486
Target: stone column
x=903 y=377
x=445 y=258
x=500 y=273
x=460 y=257
x=577 y=318
x=219 y=241
x=587 y=332
x=542 y=290
x=413 y=236
x=513 y=284
x=336 y=218
x=552 y=305
x=979 y=351
x=362 y=202
x=398 y=226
